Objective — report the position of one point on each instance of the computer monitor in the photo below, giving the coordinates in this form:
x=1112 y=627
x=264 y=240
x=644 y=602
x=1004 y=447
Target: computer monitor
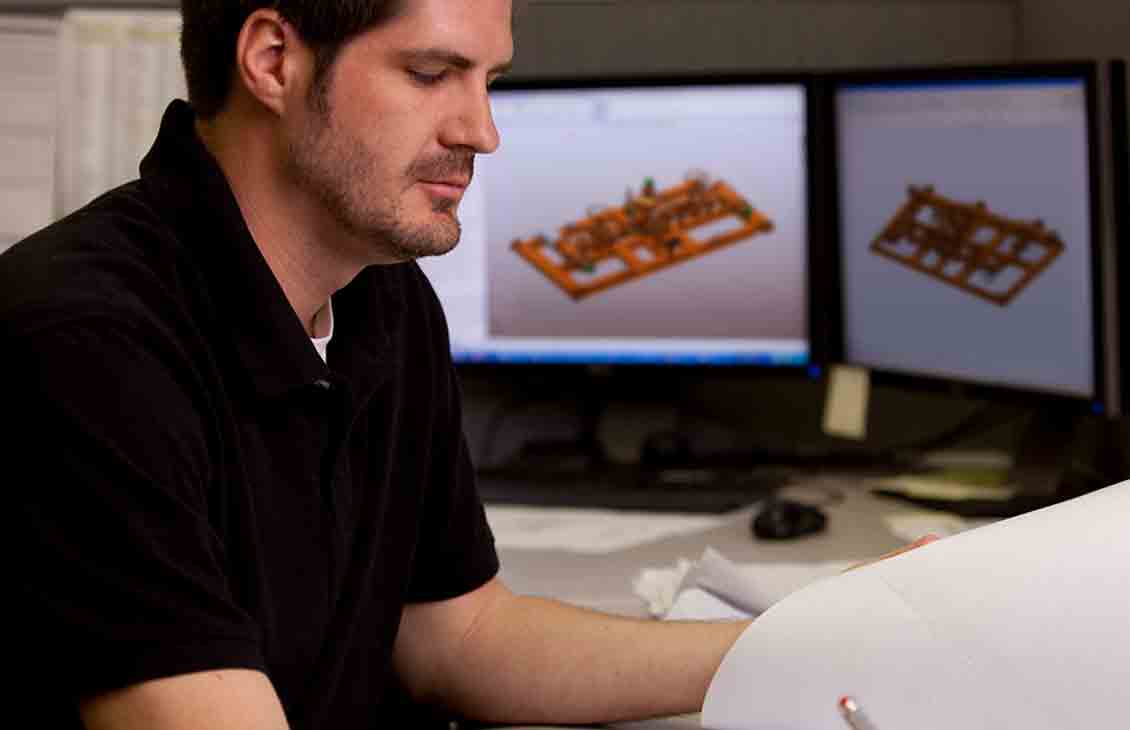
x=1119 y=116
x=973 y=251
x=636 y=222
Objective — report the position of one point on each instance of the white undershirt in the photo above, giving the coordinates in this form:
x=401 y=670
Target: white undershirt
x=324 y=317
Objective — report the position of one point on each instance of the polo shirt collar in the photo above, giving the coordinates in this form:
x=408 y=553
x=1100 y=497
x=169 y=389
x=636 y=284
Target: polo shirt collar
x=185 y=181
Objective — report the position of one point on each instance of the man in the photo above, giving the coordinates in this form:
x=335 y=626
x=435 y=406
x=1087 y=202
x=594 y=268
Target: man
x=243 y=498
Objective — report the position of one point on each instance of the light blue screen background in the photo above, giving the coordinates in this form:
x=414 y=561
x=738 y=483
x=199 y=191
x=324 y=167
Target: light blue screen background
x=903 y=320
x=547 y=173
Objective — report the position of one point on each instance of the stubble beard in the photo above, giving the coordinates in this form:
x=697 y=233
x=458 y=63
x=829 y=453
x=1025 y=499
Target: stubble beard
x=341 y=173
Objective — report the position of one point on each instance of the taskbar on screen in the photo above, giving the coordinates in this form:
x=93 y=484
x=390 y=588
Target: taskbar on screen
x=601 y=357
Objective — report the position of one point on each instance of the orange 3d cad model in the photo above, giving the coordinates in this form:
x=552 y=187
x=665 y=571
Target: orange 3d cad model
x=651 y=231
x=967 y=246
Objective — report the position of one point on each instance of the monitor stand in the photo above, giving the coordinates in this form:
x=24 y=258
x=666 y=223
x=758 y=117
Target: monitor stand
x=578 y=473
x=584 y=454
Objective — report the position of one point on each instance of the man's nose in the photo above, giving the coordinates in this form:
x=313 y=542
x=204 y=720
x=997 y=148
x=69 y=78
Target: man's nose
x=473 y=126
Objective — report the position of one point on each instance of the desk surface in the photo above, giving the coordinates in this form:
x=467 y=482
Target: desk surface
x=855 y=530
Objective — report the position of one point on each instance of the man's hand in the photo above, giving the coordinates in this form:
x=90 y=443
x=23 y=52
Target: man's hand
x=924 y=540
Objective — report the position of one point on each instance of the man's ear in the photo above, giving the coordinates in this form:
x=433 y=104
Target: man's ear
x=269 y=59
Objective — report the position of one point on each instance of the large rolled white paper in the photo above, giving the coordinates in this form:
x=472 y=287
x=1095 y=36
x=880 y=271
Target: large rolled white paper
x=1024 y=623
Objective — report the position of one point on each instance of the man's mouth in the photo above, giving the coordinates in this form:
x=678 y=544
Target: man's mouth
x=447 y=188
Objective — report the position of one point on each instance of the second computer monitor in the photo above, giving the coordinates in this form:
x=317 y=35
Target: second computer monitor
x=968 y=216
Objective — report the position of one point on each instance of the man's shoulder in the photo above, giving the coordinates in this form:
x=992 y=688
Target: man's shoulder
x=116 y=254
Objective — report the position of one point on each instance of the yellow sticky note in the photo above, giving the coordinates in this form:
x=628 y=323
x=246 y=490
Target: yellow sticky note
x=845 y=407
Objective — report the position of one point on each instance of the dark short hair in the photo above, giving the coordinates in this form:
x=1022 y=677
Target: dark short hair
x=210 y=29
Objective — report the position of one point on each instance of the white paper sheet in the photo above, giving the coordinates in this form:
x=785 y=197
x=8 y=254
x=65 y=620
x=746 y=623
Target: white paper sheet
x=587 y=531
x=695 y=604
x=715 y=588
x=754 y=587
x=1024 y=623
x=845 y=406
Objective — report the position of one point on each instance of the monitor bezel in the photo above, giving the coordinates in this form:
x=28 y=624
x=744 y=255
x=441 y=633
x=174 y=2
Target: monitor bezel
x=820 y=336
x=1119 y=119
x=1088 y=73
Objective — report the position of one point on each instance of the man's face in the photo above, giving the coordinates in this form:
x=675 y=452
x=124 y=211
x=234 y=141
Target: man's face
x=390 y=148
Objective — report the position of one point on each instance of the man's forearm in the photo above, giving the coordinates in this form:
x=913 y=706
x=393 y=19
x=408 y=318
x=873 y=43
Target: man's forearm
x=535 y=660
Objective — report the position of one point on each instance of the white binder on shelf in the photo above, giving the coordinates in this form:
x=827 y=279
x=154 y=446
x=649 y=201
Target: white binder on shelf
x=29 y=47
x=118 y=71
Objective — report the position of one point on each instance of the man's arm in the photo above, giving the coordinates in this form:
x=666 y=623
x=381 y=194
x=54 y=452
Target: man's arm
x=227 y=699
x=495 y=656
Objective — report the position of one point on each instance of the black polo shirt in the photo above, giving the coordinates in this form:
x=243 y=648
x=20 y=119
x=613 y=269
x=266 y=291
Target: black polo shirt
x=194 y=487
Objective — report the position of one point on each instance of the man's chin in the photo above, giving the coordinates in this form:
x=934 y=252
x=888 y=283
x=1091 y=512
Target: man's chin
x=435 y=251
x=434 y=241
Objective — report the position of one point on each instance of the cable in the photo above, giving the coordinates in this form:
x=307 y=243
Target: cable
x=498 y=414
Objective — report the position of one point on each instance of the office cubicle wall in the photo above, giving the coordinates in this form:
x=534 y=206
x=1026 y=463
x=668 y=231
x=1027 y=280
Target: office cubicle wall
x=98 y=64
x=575 y=37
x=583 y=37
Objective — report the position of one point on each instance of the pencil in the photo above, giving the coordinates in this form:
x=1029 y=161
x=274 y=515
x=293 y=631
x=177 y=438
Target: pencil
x=854 y=715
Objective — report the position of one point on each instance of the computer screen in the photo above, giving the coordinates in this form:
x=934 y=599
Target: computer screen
x=968 y=227
x=636 y=222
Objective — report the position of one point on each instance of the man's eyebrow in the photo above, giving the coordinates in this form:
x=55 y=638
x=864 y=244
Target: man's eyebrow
x=448 y=58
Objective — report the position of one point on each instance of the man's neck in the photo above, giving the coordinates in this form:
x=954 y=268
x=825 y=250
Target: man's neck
x=298 y=244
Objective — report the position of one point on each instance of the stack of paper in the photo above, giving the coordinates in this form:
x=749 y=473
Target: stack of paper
x=587 y=531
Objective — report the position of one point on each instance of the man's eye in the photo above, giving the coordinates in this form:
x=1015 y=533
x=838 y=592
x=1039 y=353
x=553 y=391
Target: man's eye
x=426 y=79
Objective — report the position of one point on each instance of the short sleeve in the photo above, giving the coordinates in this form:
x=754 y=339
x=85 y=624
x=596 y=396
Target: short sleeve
x=121 y=576
x=456 y=552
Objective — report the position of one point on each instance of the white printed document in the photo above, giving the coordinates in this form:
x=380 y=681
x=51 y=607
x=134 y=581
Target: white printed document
x=1019 y=624
x=588 y=531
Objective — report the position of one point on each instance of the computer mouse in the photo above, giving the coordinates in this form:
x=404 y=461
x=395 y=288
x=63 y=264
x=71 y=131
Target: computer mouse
x=784 y=519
